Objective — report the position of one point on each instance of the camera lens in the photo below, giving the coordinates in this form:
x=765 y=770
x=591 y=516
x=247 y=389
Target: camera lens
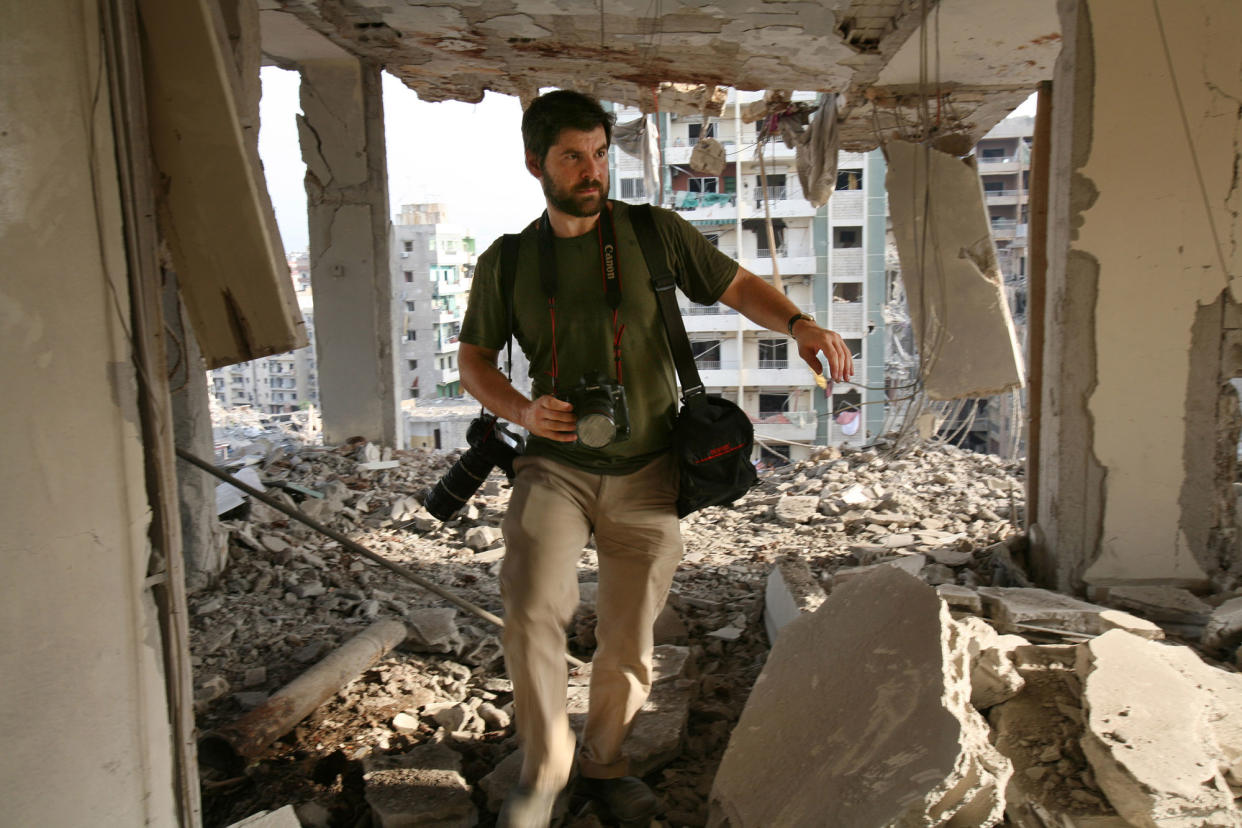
x=596 y=430
x=458 y=484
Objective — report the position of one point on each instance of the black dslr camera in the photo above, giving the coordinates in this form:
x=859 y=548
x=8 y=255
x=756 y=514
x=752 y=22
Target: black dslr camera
x=599 y=404
x=491 y=445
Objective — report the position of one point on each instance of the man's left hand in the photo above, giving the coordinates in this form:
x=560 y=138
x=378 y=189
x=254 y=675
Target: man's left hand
x=813 y=340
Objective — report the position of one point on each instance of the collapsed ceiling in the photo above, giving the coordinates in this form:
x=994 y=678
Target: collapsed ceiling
x=908 y=68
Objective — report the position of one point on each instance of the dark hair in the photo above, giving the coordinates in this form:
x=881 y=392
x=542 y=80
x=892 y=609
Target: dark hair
x=548 y=114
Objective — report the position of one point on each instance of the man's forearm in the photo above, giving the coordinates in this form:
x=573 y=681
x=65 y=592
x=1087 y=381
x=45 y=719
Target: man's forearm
x=487 y=384
x=759 y=302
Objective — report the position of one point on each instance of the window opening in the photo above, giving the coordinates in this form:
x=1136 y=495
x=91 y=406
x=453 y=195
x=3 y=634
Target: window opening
x=773 y=353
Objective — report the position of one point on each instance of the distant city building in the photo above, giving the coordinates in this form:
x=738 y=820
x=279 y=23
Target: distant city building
x=831 y=262
x=432 y=267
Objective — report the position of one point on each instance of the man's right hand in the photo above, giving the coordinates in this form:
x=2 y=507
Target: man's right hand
x=551 y=418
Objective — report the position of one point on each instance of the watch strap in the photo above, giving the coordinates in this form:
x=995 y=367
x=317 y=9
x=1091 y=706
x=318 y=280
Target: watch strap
x=793 y=320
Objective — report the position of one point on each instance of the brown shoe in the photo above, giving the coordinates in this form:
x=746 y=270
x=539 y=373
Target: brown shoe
x=626 y=799
x=527 y=808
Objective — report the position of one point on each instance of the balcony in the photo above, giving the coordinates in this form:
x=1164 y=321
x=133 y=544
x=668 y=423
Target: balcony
x=795 y=426
x=1002 y=164
x=1000 y=197
x=705 y=319
x=788 y=261
x=1008 y=229
x=846 y=318
x=792 y=372
x=845 y=263
x=847 y=206
x=837 y=436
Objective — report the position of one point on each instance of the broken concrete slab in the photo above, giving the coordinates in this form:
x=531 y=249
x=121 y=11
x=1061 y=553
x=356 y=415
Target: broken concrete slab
x=993 y=676
x=433 y=630
x=977 y=352
x=1017 y=608
x=423 y=786
x=1118 y=620
x=1224 y=627
x=912 y=564
x=887 y=668
x=1161 y=603
x=1163 y=731
x=960 y=597
x=792 y=590
x=793 y=509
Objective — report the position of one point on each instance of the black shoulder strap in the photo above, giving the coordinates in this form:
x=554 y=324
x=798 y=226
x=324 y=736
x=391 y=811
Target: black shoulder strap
x=664 y=281
x=510 y=244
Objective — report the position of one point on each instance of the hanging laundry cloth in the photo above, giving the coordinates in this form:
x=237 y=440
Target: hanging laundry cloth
x=641 y=139
x=815 y=150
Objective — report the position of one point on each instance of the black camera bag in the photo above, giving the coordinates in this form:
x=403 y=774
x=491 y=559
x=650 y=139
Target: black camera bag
x=712 y=437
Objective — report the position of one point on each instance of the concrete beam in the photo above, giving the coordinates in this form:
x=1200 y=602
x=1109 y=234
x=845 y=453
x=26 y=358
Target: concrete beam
x=342 y=137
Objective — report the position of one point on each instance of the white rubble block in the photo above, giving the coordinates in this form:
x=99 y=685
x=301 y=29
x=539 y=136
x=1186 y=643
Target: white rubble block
x=423 y=786
x=791 y=591
x=856 y=495
x=481 y=537
x=993 y=676
x=285 y=817
x=660 y=724
x=912 y=564
x=1224 y=628
x=1162 y=603
x=1015 y=607
x=1118 y=620
x=827 y=733
x=1164 y=731
x=433 y=630
x=960 y=597
x=794 y=509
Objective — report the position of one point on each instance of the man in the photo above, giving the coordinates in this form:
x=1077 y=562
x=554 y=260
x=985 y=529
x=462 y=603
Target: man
x=569 y=321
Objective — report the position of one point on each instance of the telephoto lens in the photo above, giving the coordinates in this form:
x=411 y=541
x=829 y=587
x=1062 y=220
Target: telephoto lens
x=491 y=445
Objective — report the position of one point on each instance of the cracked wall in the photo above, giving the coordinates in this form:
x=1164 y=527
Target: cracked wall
x=1147 y=231
x=81 y=674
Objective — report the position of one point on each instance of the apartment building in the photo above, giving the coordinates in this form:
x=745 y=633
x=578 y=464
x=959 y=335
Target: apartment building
x=432 y=267
x=282 y=382
x=830 y=263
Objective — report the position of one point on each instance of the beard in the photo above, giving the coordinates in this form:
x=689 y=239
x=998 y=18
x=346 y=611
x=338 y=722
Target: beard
x=571 y=200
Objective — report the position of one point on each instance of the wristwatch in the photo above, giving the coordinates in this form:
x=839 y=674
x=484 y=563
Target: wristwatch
x=793 y=320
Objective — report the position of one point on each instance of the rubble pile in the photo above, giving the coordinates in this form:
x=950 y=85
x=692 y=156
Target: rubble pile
x=425 y=735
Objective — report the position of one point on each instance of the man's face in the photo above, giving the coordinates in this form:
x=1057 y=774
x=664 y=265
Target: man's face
x=574 y=173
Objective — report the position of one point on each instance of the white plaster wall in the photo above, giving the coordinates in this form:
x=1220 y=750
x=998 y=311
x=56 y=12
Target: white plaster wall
x=82 y=706
x=1150 y=232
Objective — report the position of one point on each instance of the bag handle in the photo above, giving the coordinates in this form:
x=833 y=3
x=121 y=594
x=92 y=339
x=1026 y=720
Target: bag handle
x=662 y=279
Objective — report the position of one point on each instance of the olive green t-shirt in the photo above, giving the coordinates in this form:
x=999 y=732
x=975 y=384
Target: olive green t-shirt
x=584 y=328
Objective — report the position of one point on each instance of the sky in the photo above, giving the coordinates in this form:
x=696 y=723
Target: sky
x=465 y=156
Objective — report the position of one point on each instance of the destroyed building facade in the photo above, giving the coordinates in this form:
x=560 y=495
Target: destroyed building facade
x=130 y=129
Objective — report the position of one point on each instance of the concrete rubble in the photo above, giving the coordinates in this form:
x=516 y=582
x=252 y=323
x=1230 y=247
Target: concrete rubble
x=936 y=526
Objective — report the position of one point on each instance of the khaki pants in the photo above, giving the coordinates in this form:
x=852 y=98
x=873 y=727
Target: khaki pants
x=553 y=511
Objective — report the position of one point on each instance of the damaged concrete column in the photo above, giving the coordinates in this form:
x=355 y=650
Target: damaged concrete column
x=1143 y=229
x=342 y=137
